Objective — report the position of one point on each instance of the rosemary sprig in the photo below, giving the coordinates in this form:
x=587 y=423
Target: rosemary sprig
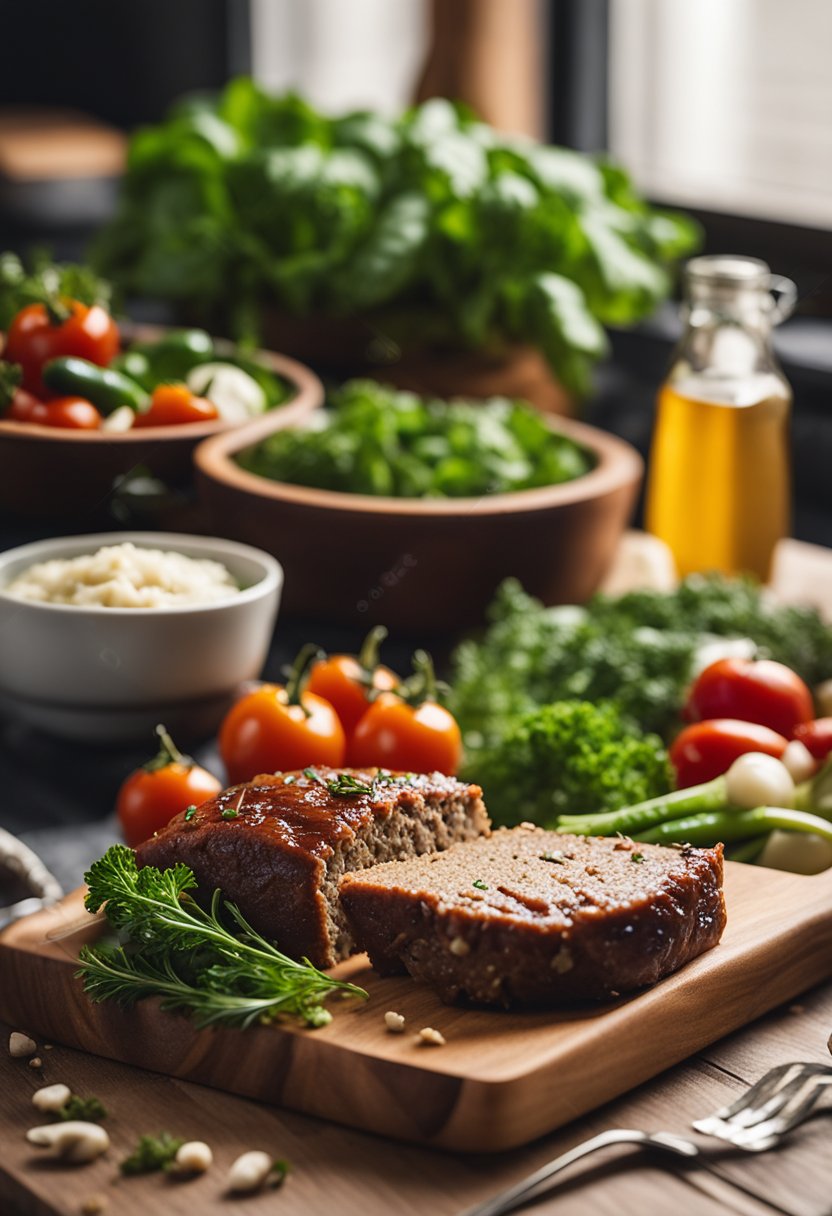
x=188 y=956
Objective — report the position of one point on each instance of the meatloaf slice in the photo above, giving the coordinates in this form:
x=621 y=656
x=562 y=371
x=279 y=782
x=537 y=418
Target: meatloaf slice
x=529 y=917
x=277 y=845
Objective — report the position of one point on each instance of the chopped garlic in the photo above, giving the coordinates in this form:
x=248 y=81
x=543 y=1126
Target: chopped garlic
x=394 y=1022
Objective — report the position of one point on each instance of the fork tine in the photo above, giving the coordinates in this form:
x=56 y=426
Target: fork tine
x=774 y=1089
x=761 y=1091
x=764 y=1134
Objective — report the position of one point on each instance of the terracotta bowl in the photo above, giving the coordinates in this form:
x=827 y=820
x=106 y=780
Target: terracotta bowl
x=48 y=472
x=423 y=565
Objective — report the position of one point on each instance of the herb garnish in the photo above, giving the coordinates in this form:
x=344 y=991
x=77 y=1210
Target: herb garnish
x=229 y=812
x=479 y=884
x=152 y=1153
x=190 y=811
x=88 y=1110
x=637 y=857
x=342 y=786
x=188 y=956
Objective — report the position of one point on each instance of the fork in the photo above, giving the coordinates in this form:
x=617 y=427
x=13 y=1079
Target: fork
x=758 y=1119
x=781 y=1099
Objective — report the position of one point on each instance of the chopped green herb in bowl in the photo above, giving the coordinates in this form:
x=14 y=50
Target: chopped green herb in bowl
x=378 y=441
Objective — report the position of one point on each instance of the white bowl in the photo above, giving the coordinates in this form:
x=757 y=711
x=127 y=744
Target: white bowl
x=110 y=674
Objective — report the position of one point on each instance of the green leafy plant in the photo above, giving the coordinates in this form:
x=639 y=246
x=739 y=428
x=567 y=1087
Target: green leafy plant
x=569 y=756
x=375 y=440
x=437 y=227
x=188 y=956
x=152 y=1153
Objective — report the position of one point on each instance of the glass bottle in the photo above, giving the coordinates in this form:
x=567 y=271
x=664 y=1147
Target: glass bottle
x=718 y=490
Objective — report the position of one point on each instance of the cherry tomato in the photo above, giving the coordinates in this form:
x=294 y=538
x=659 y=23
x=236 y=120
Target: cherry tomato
x=151 y=796
x=708 y=749
x=73 y=413
x=408 y=731
x=34 y=338
x=174 y=404
x=816 y=736
x=275 y=729
x=346 y=680
x=754 y=690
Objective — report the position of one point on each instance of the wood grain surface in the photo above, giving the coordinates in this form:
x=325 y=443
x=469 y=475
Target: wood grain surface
x=337 y=1170
x=502 y=1079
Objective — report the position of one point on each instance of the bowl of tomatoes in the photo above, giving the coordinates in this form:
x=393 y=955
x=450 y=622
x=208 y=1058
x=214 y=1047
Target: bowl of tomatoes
x=85 y=403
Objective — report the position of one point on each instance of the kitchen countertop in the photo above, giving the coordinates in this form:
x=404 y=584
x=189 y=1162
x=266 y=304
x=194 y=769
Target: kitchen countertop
x=59 y=797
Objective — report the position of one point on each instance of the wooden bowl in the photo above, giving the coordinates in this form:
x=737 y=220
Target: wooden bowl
x=46 y=471
x=422 y=565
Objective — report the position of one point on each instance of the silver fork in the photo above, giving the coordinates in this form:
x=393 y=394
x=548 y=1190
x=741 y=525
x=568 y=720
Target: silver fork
x=757 y=1121
x=781 y=1099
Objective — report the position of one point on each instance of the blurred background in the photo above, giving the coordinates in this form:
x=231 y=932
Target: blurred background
x=719 y=108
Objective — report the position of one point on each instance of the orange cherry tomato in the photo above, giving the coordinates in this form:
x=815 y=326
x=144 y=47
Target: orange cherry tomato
x=410 y=732
x=174 y=404
x=151 y=796
x=35 y=337
x=753 y=690
x=346 y=680
x=274 y=729
x=708 y=749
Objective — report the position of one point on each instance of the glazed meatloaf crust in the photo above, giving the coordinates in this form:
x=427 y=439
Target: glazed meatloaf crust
x=278 y=845
x=529 y=917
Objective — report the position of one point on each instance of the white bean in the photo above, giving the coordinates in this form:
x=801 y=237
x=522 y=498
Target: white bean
x=72 y=1141
x=193 y=1157
x=20 y=1045
x=756 y=779
x=249 y=1172
x=51 y=1097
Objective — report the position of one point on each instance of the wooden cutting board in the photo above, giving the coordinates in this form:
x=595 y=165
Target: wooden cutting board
x=502 y=1079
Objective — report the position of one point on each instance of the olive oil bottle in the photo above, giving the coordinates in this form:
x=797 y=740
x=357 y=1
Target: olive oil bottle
x=718 y=490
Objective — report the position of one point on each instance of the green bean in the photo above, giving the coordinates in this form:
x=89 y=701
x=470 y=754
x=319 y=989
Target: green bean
x=711 y=796
x=746 y=850
x=728 y=825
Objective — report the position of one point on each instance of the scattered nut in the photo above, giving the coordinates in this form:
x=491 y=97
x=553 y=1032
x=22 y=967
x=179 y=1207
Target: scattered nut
x=51 y=1097
x=394 y=1022
x=20 y=1045
x=36 y=1062
x=93 y=1205
x=72 y=1141
x=193 y=1157
x=430 y=1037
x=459 y=947
x=249 y=1172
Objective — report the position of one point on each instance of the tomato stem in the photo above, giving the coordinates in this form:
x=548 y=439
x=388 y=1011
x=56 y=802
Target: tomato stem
x=168 y=753
x=368 y=654
x=299 y=674
x=422 y=685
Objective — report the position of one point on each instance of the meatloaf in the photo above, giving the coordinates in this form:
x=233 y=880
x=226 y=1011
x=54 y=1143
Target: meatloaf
x=278 y=845
x=529 y=917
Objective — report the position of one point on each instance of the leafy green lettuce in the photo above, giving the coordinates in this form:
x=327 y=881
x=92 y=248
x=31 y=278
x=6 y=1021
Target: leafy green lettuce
x=433 y=224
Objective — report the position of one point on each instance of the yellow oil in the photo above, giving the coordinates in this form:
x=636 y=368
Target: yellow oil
x=718 y=492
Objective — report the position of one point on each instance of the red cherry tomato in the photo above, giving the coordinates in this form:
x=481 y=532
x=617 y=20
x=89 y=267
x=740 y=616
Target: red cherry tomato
x=274 y=729
x=151 y=796
x=708 y=749
x=72 y=413
x=174 y=404
x=405 y=738
x=754 y=690
x=34 y=338
x=816 y=736
x=345 y=680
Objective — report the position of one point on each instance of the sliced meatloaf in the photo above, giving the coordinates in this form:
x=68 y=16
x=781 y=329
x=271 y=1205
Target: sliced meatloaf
x=528 y=917
x=278 y=845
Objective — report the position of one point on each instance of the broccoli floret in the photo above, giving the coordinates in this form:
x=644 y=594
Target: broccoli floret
x=568 y=758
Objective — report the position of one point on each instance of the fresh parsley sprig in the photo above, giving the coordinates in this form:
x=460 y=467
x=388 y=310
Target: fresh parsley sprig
x=189 y=956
